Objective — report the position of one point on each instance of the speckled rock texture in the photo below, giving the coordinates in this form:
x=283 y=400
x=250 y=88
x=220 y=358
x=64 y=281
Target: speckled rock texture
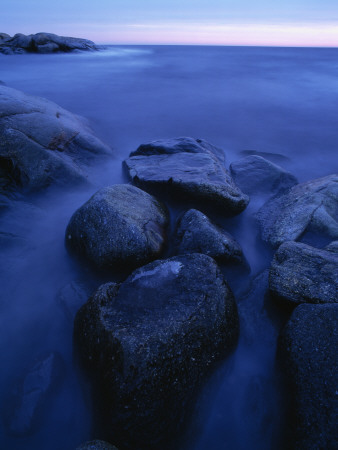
x=303 y=274
x=308 y=352
x=150 y=342
x=254 y=174
x=96 y=445
x=195 y=233
x=310 y=206
x=189 y=169
x=118 y=227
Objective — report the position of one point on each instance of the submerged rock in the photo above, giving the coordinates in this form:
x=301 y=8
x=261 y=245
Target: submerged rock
x=42 y=43
x=254 y=174
x=300 y=273
x=30 y=399
x=42 y=144
x=96 y=445
x=188 y=169
x=308 y=351
x=195 y=233
x=119 y=226
x=306 y=207
x=150 y=341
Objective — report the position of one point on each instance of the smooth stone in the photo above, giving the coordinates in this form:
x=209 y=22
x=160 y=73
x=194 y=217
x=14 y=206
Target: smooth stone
x=306 y=207
x=118 y=227
x=303 y=274
x=308 y=352
x=150 y=342
x=196 y=175
x=254 y=174
x=195 y=233
x=71 y=297
x=96 y=445
x=332 y=247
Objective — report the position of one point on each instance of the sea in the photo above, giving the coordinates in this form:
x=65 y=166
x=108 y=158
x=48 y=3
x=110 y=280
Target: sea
x=280 y=103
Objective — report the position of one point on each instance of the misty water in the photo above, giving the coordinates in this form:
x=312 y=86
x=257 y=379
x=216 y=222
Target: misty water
x=277 y=101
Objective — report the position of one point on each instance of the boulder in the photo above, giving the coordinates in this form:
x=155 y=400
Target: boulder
x=150 y=341
x=332 y=247
x=195 y=233
x=308 y=352
x=118 y=227
x=42 y=43
x=306 y=207
x=30 y=398
x=96 y=445
x=254 y=174
x=300 y=273
x=188 y=169
x=42 y=144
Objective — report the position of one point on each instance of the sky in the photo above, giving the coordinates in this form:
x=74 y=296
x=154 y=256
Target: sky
x=199 y=22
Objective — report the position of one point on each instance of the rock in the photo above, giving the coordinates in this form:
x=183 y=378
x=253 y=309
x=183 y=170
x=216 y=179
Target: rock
x=332 y=247
x=31 y=397
x=42 y=43
x=42 y=144
x=300 y=273
x=306 y=207
x=96 y=445
x=254 y=174
x=277 y=158
x=308 y=351
x=151 y=341
x=188 y=169
x=195 y=233
x=71 y=297
x=119 y=226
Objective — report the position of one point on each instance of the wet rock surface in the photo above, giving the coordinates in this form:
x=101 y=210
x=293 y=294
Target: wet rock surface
x=308 y=352
x=96 y=445
x=300 y=273
x=189 y=169
x=306 y=207
x=42 y=144
x=150 y=342
x=42 y=43
x=254 y=174
x=195 y=233
x=119 y=226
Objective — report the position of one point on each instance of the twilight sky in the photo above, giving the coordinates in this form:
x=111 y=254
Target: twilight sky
x=219 y=22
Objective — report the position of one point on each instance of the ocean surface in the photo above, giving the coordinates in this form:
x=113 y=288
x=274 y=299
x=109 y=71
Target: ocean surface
x=281 y=102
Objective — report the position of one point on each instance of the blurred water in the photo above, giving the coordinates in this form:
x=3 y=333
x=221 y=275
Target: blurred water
x=281 y=101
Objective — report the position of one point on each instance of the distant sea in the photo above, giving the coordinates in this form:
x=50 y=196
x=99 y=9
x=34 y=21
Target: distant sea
x=281 y=103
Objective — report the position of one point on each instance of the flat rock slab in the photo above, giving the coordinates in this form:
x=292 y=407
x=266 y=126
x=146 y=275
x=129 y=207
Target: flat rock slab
x=118 y=227
x=308 y=351
x=42 y=144
x=310 y=206
x=150 y=342
x=303 y=274
x=42 y=43
x=195 y=233
x=196 y=175
x=254 y=174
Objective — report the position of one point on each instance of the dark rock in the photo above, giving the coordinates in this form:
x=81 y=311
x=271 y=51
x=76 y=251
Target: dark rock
x=42 y=144
x=195 y=233
x=306 y=207
x=96 y=445
x=31 y=397
x=150 y=342
x=332 y=247
x=254 y=174
x=300 y=273
x=308 y=351
x=119 y=226
x=42 y=43
x=188 y=169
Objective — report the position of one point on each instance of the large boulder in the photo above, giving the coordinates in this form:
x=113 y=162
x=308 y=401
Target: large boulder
x=150 y=342
x=254 y=174
x=188 y=169
x=300 y=273
x=42 y=43
x=195 y=233
x=308 y=352
x=118 y=227
x=306 y=207
x=42 y=144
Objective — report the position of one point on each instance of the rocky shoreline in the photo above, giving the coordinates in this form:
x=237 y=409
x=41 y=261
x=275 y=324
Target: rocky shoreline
x=149 y=341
